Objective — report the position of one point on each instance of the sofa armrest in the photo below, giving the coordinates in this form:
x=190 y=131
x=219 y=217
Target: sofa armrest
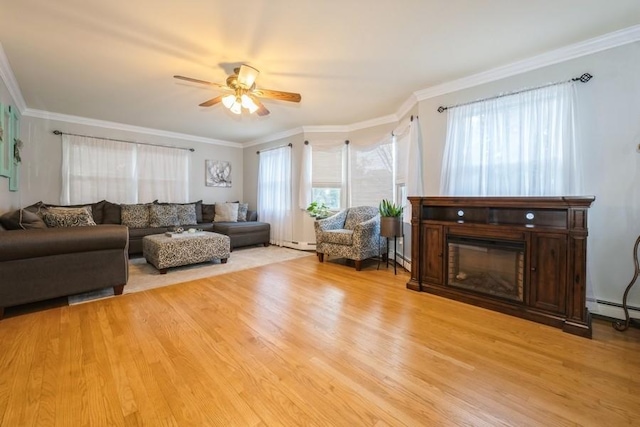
x=25 y=244
x=252 y=215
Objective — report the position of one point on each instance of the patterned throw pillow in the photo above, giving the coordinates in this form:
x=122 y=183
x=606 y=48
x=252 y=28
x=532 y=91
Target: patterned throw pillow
x=135 y=216
x=226 y=212
x=187 y=214
x=163 y=216
x=69 y=217
x=243 y=208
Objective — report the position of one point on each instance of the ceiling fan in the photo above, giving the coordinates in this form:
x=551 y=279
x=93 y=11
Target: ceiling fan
x=242 y=92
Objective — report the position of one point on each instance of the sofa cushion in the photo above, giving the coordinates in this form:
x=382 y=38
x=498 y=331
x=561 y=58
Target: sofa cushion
x=187 y=214
x=226 y=212
x=38 y=208
x=138 y=233
x=135 y=216
x=22 y=219
x=208 y=212
x=162 y=215
x=231 y=228
x=68 y=217
x=111 y=213
x=339 y=236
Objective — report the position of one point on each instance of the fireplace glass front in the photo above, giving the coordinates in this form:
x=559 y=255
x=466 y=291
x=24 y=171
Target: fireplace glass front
x=488 y=266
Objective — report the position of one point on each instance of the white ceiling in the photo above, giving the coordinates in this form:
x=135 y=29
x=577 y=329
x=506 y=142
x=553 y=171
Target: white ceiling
x=352 y=60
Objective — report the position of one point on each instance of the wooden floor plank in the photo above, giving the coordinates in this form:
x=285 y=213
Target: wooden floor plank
x=308 y=343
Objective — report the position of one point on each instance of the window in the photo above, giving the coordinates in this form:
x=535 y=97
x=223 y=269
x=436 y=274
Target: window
x=95 y=169
x=516 y=145
x=360 y=173
x=371 y=173
x=328 y=174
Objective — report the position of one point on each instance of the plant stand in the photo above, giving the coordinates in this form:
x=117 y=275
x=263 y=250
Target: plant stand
x=391 y=227
x=620 y=325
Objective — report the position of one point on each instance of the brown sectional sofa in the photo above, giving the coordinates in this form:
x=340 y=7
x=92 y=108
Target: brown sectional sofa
x=38 y=263
x=246 y=233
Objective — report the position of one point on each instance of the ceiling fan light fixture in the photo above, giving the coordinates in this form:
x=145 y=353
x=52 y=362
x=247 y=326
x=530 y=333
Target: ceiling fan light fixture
x=236 y=108
x=247 y=76
x=248 y=103
x=228 y=101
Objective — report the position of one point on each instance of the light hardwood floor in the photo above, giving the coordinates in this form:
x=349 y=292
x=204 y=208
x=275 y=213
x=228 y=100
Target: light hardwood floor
x=303 y=343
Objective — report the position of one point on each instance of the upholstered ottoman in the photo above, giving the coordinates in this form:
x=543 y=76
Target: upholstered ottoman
x=163 y=251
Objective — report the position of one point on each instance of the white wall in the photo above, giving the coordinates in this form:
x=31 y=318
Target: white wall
x=41 y=179
x=9 y=200
x=609 y=134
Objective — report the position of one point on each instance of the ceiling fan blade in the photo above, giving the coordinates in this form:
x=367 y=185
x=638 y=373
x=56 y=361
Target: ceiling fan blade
x=277 y=94
x=189 y=79
x=247 y=75
x=212 y=101
x=262 y=110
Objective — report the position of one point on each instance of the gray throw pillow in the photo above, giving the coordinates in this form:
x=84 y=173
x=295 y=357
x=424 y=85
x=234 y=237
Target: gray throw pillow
x=243 y=208
x=187 y=214
x=163 y=216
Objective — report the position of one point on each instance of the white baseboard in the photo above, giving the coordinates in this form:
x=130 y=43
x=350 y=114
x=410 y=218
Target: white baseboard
x=611 y=309
x=301 y=246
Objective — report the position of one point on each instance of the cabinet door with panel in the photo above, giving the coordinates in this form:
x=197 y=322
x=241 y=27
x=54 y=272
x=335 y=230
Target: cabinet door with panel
x=432 y=243
x=548 y=264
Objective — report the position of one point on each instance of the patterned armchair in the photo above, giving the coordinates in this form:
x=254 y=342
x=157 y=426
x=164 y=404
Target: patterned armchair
x=353 y=234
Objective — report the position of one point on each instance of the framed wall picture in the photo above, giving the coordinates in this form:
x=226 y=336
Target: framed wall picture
x=217 y=173
x=5 y=141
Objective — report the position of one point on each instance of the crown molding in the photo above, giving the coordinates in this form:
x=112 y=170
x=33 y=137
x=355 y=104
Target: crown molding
x=392 y=118
x=9 y=79
x=406 y=107
x=47 y=115
x=326 y=129
x=274 y=137
x=576 y=50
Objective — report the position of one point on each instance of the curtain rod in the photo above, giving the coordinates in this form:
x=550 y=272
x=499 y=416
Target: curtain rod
x=583 y=79
x=274 y=148
x=57 y=132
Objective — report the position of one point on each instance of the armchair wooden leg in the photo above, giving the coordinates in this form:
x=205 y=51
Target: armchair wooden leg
x=320 y=257
x=358 y=264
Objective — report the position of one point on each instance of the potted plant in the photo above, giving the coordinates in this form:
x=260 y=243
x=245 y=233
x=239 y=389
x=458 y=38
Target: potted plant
x=390 y=219
x=318 y=210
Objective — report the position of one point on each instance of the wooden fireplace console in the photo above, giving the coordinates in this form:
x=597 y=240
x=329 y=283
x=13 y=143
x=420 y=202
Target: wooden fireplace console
x=552 y=231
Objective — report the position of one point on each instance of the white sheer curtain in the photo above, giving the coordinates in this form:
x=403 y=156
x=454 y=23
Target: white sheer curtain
x=517 y=145
x=305 y=187
x=408 y=143
x=371 y=171
x=94 y=169
x=274 y=193
x=163 y=174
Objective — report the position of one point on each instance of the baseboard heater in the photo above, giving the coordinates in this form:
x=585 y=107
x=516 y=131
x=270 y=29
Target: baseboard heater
x=615 y=304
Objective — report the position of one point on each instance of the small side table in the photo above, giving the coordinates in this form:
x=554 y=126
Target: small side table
x=619 y=325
